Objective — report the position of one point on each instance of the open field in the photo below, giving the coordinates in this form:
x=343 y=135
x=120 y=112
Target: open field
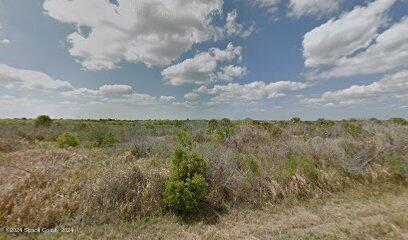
x=245 y=179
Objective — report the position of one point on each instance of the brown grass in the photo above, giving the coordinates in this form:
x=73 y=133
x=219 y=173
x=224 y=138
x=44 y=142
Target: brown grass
x=259 y=178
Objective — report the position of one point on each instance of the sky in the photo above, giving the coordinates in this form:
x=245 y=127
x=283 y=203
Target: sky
x=204 y=59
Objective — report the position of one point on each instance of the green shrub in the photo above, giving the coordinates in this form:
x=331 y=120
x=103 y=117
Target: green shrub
x=184 y=139
x=400 y=121
x=212 y=125
x=295 y=120
x=352 y=128
x=397 y=167
x=225 y=132
x=226 y=122
x=43 y=120
x=99 y=138
x=276 y=131
x=324 y=123
x=109 y=140
x=67 y=139
x=104 y=139
x=300 y=164
x=250 y=165
x=187 y=184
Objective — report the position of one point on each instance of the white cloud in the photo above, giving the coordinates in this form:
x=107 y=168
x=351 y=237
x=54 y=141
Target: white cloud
x=154 y=32
x=299 y=8
x=192 y=96
x=11 y=77
x=120 y=94
x=5 y=42
x=312 y=7
x=389 y=51
x=391 y=87
x=270 y=5
x=202 y=68
x=343 y=36
x=249 y=93
x=230 y=72
x=232 y=28
x=115 y=90
x=167 y=99
x=105 y=91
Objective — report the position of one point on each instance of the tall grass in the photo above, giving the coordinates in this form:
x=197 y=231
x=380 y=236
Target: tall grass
x=121 y=168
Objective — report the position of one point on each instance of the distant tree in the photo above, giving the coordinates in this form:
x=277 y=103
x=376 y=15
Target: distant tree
x=400 y=121
x=295 y=120
x=43 y=120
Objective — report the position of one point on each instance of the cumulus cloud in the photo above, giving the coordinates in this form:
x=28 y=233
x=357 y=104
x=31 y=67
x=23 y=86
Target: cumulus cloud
x=154 y=32
x=203 y=68
x=269 y=5
x=192 y=96
x=389 y=51
x=167 y=99
x=249 y=93
x=391 y=87
x=11 y=77
x=5 y=42
x=230 y=72
x=233 y=28
x=120 y=90
x=299 y=8
x=312 y=7
x=121 y=94
x=105 y=91
x=343 y=36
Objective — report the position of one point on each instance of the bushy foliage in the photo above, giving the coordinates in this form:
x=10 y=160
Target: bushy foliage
x=352 y=128
x=397 y=167
x=223 y=129
x=67 y=139
x=301 y=164
x=295 y=120
x=186 y=187
x=226 y=129
x=400 y=121
x=184 y=139
x=276 y=131
x=324 y=123
x=250 y=165
x=212 y=125
x=43 y=120
x=104 y=139
x=109 y=140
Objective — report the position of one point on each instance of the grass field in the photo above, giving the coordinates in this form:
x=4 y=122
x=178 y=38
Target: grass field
x=217 y=179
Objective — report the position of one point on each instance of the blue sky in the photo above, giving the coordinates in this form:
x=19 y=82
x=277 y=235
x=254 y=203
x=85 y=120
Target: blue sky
x=262 y=59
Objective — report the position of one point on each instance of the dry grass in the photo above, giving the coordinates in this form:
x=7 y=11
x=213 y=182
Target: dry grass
x=261 y=177
x=359 y=214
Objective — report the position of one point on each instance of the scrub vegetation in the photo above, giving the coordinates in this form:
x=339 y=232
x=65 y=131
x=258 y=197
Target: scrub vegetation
x=113 y=179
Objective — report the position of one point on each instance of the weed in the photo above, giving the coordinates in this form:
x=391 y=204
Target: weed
x=250 y=165
x=68 y=139
x=397 y=167
x=353 y=128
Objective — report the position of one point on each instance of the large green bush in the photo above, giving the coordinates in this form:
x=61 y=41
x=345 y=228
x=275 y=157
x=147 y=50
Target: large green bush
x=67 y=139
x=43 y=120
x=186 y=187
